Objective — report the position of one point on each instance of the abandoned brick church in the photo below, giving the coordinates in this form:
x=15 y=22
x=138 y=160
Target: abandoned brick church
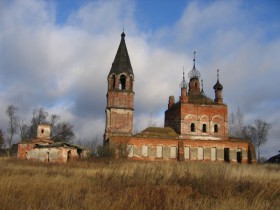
x=195 y=127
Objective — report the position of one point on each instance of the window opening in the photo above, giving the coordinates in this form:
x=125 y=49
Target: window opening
x=114 y=81
x=204 y=128
x=122 y=82
x=159 y=151
x=213 y=153
x=226 y=154
x=42 y=131
x=239 y=155
x=200 y=153
x=216 y=128
x=192 y=127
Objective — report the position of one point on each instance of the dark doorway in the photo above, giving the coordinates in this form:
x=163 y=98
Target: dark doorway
x=69 y=155
x=79 y=151
x=226 y=154
x=239 y=155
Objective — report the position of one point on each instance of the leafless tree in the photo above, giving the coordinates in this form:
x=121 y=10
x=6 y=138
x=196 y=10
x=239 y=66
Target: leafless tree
x=258 y=133
x=63 y=132
x=1 y=139
x=12 y=128
x=236 y=124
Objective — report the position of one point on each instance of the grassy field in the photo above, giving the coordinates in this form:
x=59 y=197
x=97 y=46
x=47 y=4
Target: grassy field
x=119 y=184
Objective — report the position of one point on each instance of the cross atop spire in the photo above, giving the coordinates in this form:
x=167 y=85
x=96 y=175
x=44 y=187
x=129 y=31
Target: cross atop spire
x=194 y=73
x=218 y=85
x=202 y=91
x=184 y=84
x=194 y=59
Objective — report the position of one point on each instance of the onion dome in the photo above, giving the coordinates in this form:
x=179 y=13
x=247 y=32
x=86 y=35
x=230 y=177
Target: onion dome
x=194 y=73
x=218 y=85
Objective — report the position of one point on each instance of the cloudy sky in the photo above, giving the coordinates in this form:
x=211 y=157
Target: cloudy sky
x=57 y=55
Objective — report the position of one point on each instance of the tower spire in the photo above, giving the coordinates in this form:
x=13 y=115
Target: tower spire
x=194 y=59
x=184 y=84
x=202 y=91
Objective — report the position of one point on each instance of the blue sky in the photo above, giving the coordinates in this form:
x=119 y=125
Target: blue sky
x=57 y=54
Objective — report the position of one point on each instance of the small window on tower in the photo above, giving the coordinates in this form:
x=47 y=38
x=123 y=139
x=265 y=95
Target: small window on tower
x=114 y=82
x=204 y=128
x=195 y=85
x=42 y=131
x=192 y=127
x=216 y=128
x=122 y=82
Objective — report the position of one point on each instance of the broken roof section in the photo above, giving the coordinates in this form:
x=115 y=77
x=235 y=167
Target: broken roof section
x=59 y=144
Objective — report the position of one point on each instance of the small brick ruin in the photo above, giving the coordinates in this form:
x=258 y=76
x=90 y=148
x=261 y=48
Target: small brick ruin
x=43 y=149
x=195 y=127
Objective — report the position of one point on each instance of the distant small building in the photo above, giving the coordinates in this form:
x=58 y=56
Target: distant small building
x=43 y=149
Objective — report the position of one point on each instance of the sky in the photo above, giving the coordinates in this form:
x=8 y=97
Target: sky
x=57 y=55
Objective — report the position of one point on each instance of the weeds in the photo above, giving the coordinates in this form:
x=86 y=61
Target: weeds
x=114 y=184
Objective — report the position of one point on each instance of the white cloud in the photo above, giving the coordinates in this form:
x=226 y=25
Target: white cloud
x=64 y=67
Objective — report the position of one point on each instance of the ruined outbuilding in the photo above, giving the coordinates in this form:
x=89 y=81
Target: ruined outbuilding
x=43 y=149
x=195 y=126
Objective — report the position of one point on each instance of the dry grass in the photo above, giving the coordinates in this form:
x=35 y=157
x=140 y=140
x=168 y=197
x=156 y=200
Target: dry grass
x=111 y=184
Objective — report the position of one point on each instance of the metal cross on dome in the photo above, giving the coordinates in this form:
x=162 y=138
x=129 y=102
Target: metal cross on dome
x=194 y=73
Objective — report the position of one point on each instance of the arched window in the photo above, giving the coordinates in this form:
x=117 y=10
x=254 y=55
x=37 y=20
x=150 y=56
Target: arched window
x=114 y=82
x=216 y=128
x=122 y=82
x=204 y=128
x=192 y=127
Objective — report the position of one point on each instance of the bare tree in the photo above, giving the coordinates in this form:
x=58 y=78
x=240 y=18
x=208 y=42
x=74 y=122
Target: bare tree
x=1 y=139
x=236 y=124
x=12 y=129
x=63 y=132
x=258 y=133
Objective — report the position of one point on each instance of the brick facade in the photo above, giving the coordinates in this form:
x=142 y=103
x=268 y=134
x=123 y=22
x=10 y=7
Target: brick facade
x=195 y=127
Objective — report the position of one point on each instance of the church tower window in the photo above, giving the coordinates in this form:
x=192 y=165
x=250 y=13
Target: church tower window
x=122 y=82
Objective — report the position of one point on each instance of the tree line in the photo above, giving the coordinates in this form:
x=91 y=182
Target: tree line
x=256 y=133
x=61 y=131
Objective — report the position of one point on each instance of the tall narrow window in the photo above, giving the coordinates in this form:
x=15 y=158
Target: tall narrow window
x=173 y=153
x=122 y=82
x=200 y=155
x=145 y=151
x=204 y=128
x=192 y=127
x=159 y=151
x=114 y=82
x=213 y=153
x=187 y=152
x=130 y=150
x=216 y=128
x=131 y=82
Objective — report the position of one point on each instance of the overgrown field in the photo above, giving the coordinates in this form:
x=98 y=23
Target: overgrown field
x=119 y=184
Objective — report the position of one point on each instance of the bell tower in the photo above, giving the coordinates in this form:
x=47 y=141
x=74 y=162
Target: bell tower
x=120 y=96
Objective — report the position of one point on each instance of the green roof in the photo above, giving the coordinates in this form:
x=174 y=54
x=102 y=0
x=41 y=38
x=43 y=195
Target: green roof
x=158 y=132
